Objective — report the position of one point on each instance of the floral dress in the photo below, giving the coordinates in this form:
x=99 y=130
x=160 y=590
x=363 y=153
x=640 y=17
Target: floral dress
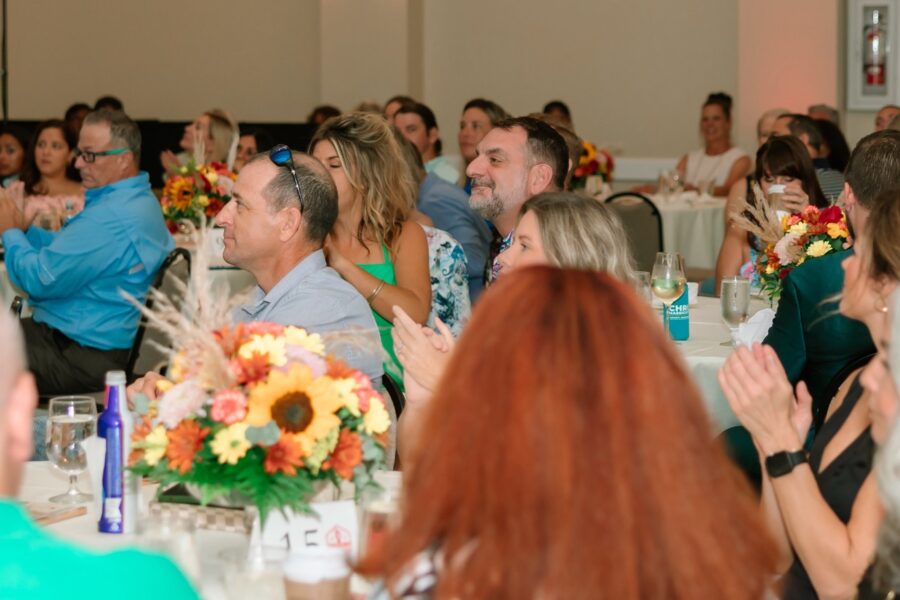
x=449 y=280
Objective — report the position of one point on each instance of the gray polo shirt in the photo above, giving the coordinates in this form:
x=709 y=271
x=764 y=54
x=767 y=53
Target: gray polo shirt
x=313 y=296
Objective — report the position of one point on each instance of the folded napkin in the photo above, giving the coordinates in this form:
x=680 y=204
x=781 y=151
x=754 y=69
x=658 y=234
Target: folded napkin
x=755 y=329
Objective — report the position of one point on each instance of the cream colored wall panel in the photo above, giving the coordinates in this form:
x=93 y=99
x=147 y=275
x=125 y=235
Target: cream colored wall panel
x=634 y=72
x=169 y=59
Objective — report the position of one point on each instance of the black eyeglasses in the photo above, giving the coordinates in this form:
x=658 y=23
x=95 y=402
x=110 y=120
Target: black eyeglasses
x=282 y=156
x=89 y=157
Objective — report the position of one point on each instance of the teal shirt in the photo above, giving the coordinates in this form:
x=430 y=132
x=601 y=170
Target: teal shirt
x=34 y=564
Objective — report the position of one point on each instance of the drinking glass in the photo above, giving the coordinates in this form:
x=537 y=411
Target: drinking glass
x=70 y=421
x=643 y=286
x=735 y=297
x=667 y=281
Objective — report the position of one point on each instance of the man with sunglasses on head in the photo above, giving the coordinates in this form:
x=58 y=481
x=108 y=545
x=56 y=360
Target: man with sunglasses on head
x=283 y=205
x=82 y=326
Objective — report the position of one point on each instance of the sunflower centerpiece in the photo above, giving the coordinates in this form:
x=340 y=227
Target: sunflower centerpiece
x=196 y=193
x=261 y=413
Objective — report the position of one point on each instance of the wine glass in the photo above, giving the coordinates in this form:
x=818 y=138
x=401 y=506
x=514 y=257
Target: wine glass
x=735 y=297
x=71 y=420
x=667 y=281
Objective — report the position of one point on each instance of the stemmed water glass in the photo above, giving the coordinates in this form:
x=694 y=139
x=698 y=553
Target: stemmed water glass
x=735 y=297
x=667 y=281
x=71 y=420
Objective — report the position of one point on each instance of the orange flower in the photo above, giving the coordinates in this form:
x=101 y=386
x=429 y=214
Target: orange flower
x=184 y=443
x=141 y=430
x=347 y=454
x=338 y=369
x=284 y=455
x=250 y=370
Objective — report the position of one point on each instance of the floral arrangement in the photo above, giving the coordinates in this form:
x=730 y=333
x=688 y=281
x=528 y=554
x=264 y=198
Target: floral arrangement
x=196 y=191
x=593 y=161
x=259 y=412
x=792 y=239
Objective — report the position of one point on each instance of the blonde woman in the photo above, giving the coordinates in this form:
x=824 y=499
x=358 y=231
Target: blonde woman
x=559 y=229
x=216 y=131
x=373 y=245
x=565 y=229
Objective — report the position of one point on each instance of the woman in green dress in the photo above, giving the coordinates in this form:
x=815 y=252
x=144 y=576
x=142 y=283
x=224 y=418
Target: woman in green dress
x=373 y=245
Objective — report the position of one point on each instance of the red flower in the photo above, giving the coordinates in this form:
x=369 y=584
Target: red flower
x=284 y=456
x=347 y=454
x=832 y=214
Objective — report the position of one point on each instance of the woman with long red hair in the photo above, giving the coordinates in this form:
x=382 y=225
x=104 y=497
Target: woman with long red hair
x=567 y=454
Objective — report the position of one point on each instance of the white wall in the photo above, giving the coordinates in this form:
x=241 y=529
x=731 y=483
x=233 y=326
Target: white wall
x=634 y=72
x=365 y=50
x=170 y=59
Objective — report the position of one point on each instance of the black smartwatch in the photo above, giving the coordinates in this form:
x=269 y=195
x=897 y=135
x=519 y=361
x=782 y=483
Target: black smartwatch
x=782 y=463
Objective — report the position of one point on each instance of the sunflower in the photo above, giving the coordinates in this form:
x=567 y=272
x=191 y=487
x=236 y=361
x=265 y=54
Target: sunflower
x=301 y=406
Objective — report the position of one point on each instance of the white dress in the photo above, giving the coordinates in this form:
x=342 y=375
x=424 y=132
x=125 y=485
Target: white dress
x=703 y=167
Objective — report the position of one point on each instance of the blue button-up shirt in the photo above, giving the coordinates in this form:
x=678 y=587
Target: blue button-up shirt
x=74 y=278
x=313 y=296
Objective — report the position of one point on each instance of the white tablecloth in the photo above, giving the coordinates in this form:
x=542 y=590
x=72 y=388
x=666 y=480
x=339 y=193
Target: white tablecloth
x=218 y=552
x=705 y=353
x=693 y=226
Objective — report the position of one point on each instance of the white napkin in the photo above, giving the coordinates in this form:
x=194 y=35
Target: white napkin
x=755 y=329
x=95 y=448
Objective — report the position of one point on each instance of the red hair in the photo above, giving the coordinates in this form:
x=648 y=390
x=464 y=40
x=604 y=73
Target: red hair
x=567 y=441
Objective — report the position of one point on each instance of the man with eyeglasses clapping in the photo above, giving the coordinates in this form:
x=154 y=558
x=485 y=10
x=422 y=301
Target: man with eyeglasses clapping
x=82 y=326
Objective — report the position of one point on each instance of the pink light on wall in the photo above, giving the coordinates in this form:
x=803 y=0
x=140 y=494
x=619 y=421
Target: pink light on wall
x=788 y=56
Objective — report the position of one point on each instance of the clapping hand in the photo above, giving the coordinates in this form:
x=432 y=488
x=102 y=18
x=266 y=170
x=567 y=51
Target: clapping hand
x=170 y=162
x=12 y=205
x=758 y=390
x=422 y=352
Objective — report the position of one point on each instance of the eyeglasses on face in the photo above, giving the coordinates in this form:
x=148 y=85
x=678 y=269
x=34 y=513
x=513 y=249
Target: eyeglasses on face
x=282 y=156
x=89 y=157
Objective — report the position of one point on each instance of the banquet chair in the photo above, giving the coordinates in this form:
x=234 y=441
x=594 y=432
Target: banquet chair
x=642 y=222
x=393 y=390
x=145 y=354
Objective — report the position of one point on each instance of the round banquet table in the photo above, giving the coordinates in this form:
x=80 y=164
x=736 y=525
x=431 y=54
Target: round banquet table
x=218 y=552
x=704 y=354
x=692 y=225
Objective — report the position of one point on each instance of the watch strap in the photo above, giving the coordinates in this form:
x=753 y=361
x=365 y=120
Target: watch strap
x=782 y=463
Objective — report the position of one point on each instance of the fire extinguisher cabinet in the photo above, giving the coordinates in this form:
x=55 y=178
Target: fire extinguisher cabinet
x=872 y=63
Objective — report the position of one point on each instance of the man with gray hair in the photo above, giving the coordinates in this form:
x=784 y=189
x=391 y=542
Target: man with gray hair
x=82 y=326
x=35 y=563
x=283 y=205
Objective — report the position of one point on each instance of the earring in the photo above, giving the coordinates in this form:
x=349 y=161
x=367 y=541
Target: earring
x=881 y=304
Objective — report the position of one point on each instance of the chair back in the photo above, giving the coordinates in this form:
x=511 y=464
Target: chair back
x=643 y=226
x=145 y=356
x=393 y=390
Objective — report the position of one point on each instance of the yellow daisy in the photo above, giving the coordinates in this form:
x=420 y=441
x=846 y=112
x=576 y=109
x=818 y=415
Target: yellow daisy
x=300 y=405
x=818 y=248
x=298 y=337
x=154 y=445
x=231 y=444
x=377 y=419
x=346 y=395
x=266 y=345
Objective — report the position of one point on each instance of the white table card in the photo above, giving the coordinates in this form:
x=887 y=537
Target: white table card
x=336 y=526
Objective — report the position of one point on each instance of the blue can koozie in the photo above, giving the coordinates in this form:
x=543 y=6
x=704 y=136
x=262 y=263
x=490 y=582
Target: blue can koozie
x=679 y=318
